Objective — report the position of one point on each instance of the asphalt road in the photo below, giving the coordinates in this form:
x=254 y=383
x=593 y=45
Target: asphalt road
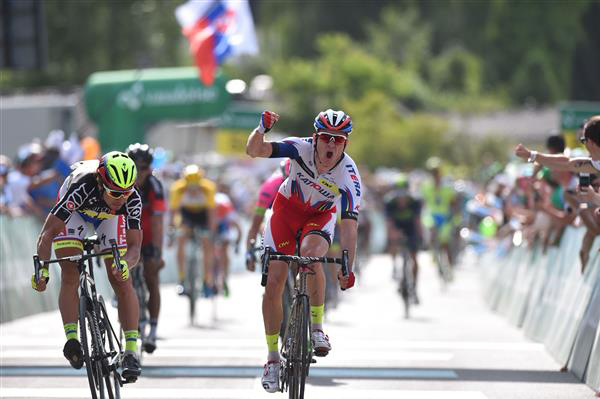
x=452 y=348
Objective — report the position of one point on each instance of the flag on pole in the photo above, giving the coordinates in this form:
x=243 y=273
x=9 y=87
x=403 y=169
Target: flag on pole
x=216 y=30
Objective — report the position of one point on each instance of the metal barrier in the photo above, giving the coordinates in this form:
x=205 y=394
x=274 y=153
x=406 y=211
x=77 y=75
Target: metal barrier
x=549 y=297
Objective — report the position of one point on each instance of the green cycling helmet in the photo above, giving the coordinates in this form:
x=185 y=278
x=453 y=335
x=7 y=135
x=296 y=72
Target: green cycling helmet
x=117 y=171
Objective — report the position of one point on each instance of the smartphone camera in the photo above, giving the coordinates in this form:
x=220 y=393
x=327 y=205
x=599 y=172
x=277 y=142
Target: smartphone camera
x=584 y=180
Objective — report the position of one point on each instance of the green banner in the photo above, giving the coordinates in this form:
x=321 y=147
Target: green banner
x=124 y=103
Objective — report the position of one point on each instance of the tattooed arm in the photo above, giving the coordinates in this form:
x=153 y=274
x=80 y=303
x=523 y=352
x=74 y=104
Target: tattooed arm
x=558 y=161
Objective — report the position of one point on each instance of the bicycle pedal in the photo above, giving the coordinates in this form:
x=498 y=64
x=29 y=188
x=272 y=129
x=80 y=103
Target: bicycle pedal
x=321 y=353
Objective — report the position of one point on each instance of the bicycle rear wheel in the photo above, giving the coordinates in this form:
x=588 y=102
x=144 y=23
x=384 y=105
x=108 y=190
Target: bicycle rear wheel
x=89 y=334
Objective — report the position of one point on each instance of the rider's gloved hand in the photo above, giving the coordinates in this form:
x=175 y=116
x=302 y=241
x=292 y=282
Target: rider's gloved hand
x=44 y=278
x=267 y=121
x=124 y=273
x=346 y=282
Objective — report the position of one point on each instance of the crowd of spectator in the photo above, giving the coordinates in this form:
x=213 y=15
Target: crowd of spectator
x=531 y=200
x=535 y=198
x=29 y=183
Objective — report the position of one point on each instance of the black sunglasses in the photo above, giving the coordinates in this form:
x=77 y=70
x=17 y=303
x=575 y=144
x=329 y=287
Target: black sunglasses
x=583 y=139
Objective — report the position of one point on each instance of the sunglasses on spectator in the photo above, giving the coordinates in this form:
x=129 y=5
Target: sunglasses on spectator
x=117 y=194
x=583 y=139
x=326 y=138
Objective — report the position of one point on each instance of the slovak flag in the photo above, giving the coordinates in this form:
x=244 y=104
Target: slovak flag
x=216 y=30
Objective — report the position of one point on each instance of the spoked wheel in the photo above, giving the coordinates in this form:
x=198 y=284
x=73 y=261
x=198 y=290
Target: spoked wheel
x=89 y=333
x=111 y=376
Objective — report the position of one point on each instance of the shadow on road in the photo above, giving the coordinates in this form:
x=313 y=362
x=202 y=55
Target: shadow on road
x=323 y=376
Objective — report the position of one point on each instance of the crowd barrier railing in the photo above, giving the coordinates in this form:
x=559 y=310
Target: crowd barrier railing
x=547 y=296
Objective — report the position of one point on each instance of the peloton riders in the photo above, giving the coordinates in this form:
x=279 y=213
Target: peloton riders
x=100 y=196
x=322 y=177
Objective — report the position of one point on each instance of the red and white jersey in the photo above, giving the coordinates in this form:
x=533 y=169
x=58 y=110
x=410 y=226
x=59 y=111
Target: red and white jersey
x=309 y=192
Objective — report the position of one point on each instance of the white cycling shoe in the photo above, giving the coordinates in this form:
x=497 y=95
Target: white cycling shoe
x=320 y=343
x=270 y=377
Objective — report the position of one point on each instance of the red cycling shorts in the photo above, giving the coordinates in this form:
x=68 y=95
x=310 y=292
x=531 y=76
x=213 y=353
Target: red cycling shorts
x=286 y=221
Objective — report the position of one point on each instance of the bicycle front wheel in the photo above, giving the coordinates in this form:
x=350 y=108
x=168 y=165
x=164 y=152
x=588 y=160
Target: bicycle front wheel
x=191 y=279
x=111 y=377
x=299 y=356
x=88 y=331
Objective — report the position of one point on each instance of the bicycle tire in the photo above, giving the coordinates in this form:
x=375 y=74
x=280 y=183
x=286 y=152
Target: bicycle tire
x=112 y=378
x=300 y=349
x=293 y=370
x=86 y=325
x=287 y=349
x=305 y=354
x=192 y=273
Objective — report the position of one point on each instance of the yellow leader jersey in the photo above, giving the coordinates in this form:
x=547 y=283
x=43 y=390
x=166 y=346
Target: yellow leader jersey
x=193 y=197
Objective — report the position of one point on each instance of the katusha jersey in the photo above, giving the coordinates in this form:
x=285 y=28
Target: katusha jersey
x=311 y=193
x=80 y=193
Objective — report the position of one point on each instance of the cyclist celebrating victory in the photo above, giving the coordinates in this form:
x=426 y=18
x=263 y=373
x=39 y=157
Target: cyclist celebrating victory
x=98 y=195
x=322 y=177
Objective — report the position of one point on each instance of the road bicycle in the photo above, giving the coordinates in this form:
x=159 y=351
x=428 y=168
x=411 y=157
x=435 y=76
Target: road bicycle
x=296 y=350
x=406 y=281
x=102 y=351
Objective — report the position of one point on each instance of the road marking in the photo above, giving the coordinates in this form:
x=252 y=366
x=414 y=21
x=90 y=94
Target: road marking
x=200 y=393
x=245 y=372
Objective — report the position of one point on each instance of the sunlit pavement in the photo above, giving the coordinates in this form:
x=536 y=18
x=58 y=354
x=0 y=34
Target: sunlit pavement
x=452 y=348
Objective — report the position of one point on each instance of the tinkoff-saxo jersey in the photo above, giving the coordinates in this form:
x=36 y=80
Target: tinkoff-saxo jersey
x=80 y=193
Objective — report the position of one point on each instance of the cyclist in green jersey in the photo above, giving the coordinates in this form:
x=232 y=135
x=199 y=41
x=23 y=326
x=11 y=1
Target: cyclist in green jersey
x=439 y=199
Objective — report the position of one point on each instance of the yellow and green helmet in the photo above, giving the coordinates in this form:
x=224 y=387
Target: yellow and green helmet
x=117 y=171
